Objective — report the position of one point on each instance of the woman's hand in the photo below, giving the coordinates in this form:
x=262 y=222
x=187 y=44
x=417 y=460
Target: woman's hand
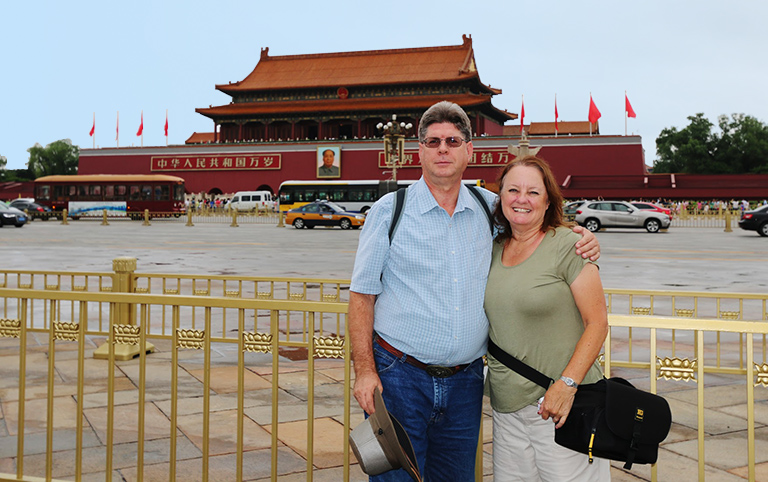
x=557 y=403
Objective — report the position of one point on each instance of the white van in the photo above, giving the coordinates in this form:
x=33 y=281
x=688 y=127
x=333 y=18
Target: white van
x=252 y=201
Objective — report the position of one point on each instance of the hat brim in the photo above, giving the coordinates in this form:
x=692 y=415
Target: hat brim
x=396 y=437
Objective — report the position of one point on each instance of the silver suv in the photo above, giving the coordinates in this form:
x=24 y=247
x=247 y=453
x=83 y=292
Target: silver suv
x=619 y=214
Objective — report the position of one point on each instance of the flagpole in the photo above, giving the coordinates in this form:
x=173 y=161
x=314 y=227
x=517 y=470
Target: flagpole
x=94 y=130
x=555 y=115
x=142 y=128
x=590 y=120
x=625 y=113
x=117 y=130
x=166 y=127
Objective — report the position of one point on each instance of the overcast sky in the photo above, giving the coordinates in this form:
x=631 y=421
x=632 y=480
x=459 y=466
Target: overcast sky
x=61 y=62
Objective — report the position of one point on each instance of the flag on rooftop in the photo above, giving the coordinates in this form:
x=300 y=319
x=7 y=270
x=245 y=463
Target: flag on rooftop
x=594 y=113
x=141 y=126
x=93 y=129
x=522 y=113
x=628 y=107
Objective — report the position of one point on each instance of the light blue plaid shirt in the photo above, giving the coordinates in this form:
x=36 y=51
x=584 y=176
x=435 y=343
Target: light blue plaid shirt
x=431 y=281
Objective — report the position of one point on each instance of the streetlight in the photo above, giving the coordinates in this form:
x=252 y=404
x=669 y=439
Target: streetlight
x=394 y=143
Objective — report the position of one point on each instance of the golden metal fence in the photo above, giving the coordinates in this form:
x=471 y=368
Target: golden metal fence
x=253 y=375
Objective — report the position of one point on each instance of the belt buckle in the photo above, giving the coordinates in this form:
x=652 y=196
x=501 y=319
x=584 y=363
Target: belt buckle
x=438 y=371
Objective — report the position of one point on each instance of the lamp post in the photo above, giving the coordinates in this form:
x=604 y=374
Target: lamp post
x=394 y=143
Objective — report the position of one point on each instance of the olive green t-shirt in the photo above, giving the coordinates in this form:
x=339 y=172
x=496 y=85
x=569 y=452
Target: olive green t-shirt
x=534 y=317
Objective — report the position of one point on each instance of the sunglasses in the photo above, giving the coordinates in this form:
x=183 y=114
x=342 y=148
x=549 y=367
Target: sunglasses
x=434 y=142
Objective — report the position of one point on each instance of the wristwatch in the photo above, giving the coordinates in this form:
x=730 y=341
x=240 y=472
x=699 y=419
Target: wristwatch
x=569 y=381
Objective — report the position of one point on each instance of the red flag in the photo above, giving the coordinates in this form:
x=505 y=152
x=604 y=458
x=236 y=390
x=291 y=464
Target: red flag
x=594 y=114
x=141 y=126
x=93 y=129
x=628 y=107
x=555 y=113
x=166 y=124
x=522 y=115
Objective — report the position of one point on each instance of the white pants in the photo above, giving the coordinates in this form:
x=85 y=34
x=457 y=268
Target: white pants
x=524 y=449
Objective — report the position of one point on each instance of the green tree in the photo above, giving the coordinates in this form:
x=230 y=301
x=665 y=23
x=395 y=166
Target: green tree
x=3 y=162
x=58 y=157
x=740 y=146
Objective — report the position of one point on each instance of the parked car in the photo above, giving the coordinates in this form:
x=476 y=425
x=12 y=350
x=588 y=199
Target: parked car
x=653 y=207
x=323 y=213
x=619 y=214
x=569 y=210
x=31 y=206
x=252 y=201
x=9 y=215
x=755 y=220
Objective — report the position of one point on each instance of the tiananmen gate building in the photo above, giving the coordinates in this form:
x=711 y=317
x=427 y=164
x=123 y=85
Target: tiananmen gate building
x=292 y=109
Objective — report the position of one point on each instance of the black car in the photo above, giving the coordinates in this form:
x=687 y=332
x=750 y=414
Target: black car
x=755 y=220
x=30 y=206
x=11 y=216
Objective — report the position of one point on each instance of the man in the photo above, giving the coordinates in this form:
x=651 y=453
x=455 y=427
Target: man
x=417 y=325
x=328 y=169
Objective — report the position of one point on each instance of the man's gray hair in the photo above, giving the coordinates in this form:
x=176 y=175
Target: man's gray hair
x=445 y=111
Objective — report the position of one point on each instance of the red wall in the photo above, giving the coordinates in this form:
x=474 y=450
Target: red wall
x=590 y=156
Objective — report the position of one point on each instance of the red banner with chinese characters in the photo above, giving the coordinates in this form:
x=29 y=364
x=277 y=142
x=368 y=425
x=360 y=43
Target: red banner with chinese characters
x=216 y=163
x=480 y=157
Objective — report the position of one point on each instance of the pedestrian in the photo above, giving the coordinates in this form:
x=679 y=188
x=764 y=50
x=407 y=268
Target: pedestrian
x=417 y=326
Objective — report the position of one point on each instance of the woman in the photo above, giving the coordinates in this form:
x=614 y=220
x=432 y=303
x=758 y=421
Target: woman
x=546 y=307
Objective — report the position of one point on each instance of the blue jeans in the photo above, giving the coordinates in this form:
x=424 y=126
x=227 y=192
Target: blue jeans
x=441 y=416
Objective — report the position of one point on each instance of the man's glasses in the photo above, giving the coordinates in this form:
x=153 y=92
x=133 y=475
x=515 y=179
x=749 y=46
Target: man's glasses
x=434 y=142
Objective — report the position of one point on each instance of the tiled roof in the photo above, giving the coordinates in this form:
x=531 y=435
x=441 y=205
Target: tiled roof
x=200 y=138
x=383 y=104
x=372 y=67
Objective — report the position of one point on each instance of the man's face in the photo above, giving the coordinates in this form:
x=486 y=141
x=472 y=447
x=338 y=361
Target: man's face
x=444 y=165
x=328 y=158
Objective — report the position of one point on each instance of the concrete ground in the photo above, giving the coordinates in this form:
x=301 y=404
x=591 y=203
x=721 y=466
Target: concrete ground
x=690 y=259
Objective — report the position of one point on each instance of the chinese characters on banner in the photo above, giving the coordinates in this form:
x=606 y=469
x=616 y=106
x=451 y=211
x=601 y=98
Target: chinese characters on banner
x=484 y=157
x=221 y=163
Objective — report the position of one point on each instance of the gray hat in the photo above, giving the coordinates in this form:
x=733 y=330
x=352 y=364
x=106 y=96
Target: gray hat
x=381 y=444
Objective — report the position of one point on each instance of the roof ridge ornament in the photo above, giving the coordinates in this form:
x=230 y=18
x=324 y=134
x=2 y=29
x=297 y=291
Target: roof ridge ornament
x=264 y=53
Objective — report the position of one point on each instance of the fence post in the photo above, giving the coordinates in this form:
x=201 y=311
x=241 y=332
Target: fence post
x=104 y=221
x=280 y=223
x=146 y=218
x=728 y=221
x=64 y=215
x=234 y=219
x=189 y=217
x=124 y=313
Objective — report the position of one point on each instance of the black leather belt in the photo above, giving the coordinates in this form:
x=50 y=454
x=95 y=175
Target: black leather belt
x=436 y=371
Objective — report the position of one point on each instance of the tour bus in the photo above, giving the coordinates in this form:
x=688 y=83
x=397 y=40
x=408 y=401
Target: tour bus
x=355 y=196
x=120 y=194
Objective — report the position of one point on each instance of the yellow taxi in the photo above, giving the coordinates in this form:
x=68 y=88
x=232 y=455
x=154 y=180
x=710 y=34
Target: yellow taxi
x=323 y=213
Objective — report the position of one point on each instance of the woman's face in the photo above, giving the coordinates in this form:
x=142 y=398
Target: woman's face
x=524 y=199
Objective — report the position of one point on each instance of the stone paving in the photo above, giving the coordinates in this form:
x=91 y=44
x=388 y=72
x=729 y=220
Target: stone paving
x=725 y=419
x=679 y=259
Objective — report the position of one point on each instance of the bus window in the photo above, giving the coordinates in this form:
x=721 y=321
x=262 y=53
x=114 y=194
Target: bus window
x=162 y=193
x=94 y=192
x=146 y=192
x=178 y=192
x=109 y=192
x=44 y=192
x=135 y=193
x=120 y=192
x=82 y=192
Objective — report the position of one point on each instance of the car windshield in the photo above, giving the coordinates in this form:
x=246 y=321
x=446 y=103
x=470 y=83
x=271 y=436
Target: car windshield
x=333 y=206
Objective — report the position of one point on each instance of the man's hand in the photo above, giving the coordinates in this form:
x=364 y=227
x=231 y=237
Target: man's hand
x=365 y=384
x=587 y=246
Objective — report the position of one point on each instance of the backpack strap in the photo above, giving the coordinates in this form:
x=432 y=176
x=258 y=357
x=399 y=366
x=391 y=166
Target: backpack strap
x=397 y=211
x=399 y=206
x=481 y=202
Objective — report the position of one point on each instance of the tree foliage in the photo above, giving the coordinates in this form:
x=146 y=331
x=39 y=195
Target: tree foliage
x=739 y=147
x=3 y=162
x=58 y=157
